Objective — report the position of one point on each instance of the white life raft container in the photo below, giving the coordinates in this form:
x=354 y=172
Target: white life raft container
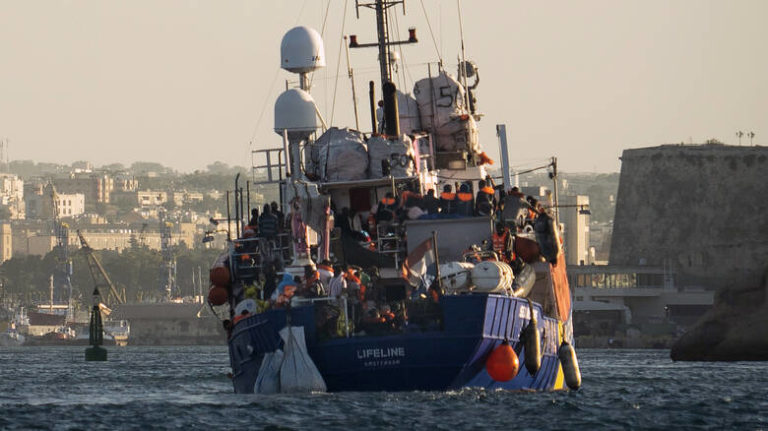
x=492 y=277
x=455 y=276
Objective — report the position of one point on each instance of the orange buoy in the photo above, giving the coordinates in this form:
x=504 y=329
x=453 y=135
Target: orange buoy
x=502 y=365
x=219 y=275
x=217 y=295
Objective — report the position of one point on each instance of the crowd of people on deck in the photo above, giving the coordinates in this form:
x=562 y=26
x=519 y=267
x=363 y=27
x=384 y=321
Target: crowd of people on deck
x=366 y=310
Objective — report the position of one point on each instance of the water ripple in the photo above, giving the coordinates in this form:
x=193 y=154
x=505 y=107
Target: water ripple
x=186 y=387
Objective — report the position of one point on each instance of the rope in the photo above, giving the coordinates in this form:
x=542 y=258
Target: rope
x=338 y=62
x=432 y=34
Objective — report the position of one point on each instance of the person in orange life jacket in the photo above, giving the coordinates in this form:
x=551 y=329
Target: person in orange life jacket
x=502 y=242
x=355 y=294
x=325 y=269
x=533 y=211
x=465 y=203
x=387 y=207
x=447 y=200
x=410 y=198
x=313 y=287
x=486 y=199
x=388 y=317
x=253 y=223
x=430 y=203
x=280 y=289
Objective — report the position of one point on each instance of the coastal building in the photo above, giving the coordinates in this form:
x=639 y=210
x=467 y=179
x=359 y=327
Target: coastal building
x=698 y=209
x=185 y=198
x=574 y=214
x=150 y=198
x=12 y=196
x=31 y=241
x=610 y=298
x=96 y=187
x=6 y=242
x=39 y=202
x=69 y=205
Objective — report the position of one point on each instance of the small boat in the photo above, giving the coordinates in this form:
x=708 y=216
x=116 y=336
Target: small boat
x=493 y=319
x=11 y=336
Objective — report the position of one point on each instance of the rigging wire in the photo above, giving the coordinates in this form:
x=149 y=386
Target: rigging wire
x=322 y=34
x=338 y=62
x=272 y=87
x=432 y=34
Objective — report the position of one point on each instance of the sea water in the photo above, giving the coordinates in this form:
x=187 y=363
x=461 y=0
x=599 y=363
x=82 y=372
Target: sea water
x=187 y=388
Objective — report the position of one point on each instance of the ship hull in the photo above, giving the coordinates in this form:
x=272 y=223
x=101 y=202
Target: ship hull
x=450 y=357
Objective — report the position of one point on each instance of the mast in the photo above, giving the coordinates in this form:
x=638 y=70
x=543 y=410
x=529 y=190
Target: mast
x=381 y=30
x=389 y=91
x=463 y=65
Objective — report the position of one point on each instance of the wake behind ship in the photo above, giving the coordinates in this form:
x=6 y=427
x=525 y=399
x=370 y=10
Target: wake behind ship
x=401 y=264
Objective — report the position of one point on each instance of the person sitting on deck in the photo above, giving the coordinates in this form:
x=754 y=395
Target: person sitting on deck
x=502 y=242
x=485 y=200
x=386 y=210
x=447 y=200
x=313 y=287
x=285 y=290
x=465 y=203
x=430 y=203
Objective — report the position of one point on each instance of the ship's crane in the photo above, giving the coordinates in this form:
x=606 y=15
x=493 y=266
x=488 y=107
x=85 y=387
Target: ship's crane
x=99 y=275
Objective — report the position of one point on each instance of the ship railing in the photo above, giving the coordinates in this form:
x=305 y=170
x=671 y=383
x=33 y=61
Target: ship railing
x=389 y=240
x=341 y=301
x=248 y=255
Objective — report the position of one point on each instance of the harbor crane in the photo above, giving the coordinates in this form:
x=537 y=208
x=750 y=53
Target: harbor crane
x=101 y=280
x=61 y=286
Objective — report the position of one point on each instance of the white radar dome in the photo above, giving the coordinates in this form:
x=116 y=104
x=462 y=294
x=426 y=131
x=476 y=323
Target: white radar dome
x=295 y=112
x=302 y=50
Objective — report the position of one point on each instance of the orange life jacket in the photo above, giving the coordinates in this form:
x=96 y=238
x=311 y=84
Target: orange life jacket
x=388 y=201
x=315 y=276
x=499 y=242
x=447 y=196
x=489 y=190
x=465 y=197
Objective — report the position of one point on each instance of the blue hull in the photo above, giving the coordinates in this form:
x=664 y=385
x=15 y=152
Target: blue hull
x=439 y=359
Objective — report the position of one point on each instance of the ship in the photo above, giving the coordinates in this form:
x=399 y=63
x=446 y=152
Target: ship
x=444 y=308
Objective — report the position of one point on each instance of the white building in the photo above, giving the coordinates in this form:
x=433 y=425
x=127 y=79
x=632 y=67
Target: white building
x=574 y=214
x=70 y=205
x=12 y=195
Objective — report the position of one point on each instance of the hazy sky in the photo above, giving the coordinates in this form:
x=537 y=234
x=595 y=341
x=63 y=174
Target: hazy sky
x=185 y=83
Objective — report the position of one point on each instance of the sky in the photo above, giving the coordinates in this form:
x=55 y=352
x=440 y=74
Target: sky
x=187 y=83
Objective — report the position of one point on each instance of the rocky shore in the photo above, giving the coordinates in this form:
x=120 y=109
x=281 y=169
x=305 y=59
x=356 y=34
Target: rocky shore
x=735 y=329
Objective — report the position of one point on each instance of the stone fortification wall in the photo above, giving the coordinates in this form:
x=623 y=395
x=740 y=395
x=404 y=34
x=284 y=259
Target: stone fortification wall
x=702 y=209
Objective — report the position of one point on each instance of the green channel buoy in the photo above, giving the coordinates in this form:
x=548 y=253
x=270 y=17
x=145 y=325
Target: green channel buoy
x=96 y=337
